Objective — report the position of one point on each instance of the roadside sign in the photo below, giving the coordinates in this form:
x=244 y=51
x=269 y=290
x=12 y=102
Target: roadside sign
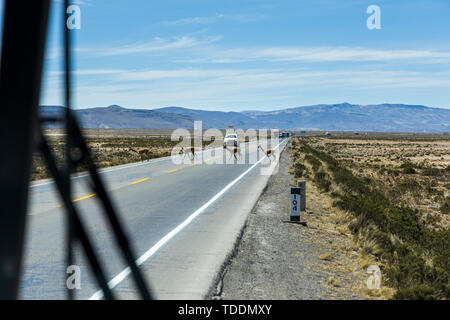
x=295 y=204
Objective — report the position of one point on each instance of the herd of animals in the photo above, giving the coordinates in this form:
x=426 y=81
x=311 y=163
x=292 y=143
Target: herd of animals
x=192 y=152
x=233 y=151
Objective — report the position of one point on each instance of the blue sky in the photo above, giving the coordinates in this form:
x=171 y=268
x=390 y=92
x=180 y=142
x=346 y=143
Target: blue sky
x=253 y=54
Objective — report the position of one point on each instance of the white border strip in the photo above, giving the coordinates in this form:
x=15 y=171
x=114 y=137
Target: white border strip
x=124 y=273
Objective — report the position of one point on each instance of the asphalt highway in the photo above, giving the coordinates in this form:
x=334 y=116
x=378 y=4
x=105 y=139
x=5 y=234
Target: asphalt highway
x=182 y=220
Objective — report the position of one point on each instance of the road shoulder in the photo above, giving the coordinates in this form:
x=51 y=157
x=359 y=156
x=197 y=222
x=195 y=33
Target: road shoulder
x=276 y=259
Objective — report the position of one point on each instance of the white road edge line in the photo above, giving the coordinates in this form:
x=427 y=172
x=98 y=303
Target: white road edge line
x=125 y=272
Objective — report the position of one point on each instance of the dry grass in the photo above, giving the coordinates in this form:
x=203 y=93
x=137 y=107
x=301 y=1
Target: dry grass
x=410 y=174
x=111 y=147
x=387 y=162
x=328 y=230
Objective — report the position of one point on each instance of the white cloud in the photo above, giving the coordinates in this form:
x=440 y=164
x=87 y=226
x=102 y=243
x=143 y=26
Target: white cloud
x=158 y=44
x=267 y=77
x=196 y=87
x=317 y=54
x=194 y=20
x=88 y=72
x=242 y=18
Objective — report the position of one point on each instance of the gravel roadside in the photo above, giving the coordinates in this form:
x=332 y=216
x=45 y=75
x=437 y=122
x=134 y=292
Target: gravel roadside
x=276 y=259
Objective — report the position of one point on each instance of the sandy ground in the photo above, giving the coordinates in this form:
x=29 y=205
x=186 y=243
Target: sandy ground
x=276 y=259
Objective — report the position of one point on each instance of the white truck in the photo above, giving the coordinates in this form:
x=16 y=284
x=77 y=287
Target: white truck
x=231 y=140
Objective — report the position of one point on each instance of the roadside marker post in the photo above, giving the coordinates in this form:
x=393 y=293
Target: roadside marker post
x=295 y=204
x=302 y=185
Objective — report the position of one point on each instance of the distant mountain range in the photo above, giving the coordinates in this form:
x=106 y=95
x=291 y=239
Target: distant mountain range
x=336 y=117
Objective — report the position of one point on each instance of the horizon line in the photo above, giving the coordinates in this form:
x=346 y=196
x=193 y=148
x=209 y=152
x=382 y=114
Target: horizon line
x=248 y=110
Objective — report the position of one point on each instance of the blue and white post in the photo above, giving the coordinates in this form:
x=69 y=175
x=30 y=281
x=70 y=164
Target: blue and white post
x=295 y=204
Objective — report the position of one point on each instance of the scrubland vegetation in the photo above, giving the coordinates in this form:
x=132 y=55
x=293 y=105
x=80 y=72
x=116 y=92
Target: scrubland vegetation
x=112 y=147
x=397 y=192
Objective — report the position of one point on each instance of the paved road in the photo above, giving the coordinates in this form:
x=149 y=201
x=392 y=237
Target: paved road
x=182 y=221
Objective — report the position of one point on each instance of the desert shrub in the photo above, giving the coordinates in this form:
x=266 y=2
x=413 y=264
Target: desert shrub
x=421 y=292
x=408 y=185
x=439 y=245
x=433 y=191
x=299 y=170
x=431 y=172
x=383 y=239
x=445 y=207
x=382 y=170
x=335 y=194
x=401 y=221
x=358 y=224
x=409 y=268
x=393 y=172
x=408 y=167
x=321 y=178
x=316 y=164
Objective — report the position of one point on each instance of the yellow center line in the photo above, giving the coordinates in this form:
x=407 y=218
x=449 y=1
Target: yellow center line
x=142 y=180
x=80 y=199
x=84 y=198
x=139 y=181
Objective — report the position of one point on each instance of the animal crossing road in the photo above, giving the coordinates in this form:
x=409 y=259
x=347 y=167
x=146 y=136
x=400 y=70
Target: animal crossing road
x=182 y=220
